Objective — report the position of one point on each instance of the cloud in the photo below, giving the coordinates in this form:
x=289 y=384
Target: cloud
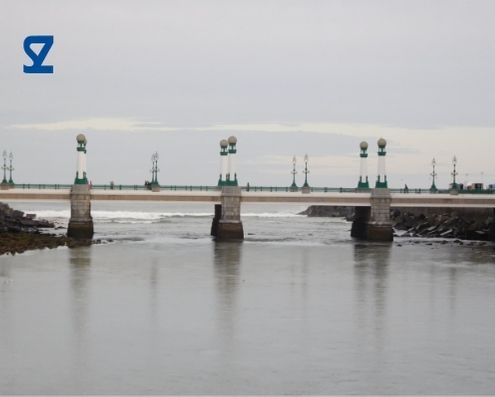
x=362 y=130
x=96 y=124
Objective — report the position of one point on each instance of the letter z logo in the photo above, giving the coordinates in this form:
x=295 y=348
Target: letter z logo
x=37 y=66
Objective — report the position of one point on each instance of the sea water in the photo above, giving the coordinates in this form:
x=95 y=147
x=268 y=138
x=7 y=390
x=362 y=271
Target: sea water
x=298 y=307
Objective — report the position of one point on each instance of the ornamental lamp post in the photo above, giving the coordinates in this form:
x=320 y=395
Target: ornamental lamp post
x=381 y=181
x=224 y=153
x=155 y=186
x=305 y=187
x=231 y=162
x=4 y=168
x=81 y=175
x=293 y=187
x=454 y=173
x=363 y=172
x=11 y=181
x=433 y=188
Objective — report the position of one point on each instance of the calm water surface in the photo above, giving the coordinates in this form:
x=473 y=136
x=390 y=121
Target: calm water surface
x=297 y=308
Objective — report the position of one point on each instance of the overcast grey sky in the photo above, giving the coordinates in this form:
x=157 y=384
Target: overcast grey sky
x=286 y=77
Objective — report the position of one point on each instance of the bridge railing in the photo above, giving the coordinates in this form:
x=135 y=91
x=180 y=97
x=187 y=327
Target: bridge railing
x=443 y=191
x=118 y=187
x=190 y=188
x=205 y=188
x=41 y=186
x=356 y=190
x=247 y=188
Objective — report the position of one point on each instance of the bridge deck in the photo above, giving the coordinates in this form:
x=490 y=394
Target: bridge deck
x=330 y=198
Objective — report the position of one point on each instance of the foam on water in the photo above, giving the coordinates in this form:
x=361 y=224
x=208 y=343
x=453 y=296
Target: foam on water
x=149 y=217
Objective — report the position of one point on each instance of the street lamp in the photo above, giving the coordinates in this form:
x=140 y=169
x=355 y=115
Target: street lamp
x=454 y=173
x=433 y=174
x=4 y=168
x=154 y=170
x=306 y=172
x=381 y=181
x=293 y=187
x=11 y=157
x=363 y=172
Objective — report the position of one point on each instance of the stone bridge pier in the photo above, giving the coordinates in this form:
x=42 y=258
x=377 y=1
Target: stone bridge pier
x=80 y=222
x=373 y=223
x=227 y=224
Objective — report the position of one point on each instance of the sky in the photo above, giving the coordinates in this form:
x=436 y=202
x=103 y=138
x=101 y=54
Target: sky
x=286 y=77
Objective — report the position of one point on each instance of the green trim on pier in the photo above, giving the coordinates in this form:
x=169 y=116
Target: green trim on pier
x=363 y=185
x=381 y=184
x=81 y=181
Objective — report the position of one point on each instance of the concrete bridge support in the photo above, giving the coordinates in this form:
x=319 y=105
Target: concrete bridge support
x=373 y=223
x=380 y=225
x=359 y=227
x=81 y=222
x=227 y=223
x=493 y=226
x=216 y=219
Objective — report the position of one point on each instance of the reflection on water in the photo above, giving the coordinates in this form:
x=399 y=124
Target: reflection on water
x=80 y=278
x=227 y=270
x=371 y=262
x=154 y=286
x=80 y=273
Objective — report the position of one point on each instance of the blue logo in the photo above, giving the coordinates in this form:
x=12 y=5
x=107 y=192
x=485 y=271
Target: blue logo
x=37 y=66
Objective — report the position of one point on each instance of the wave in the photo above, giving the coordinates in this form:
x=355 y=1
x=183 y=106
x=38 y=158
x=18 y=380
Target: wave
x=150 y=217
x=121 y=215
x=50 y=214
x=270 y=215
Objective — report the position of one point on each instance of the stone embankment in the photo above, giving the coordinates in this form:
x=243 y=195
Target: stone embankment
x=457 y=223
x=20 y=232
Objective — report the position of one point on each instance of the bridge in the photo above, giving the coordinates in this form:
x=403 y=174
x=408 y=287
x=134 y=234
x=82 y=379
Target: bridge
x=260 y=194
x=372 y=205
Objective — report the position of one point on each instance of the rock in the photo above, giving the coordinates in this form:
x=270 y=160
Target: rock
x=19 y=242
x=328 y=211
x=16 y=221
x=19 y=233
x=459 y=223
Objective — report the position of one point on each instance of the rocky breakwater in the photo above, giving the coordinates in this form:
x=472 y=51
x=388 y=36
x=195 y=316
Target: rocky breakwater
x=20 y=232
x=453 y=223
x=458 y=223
